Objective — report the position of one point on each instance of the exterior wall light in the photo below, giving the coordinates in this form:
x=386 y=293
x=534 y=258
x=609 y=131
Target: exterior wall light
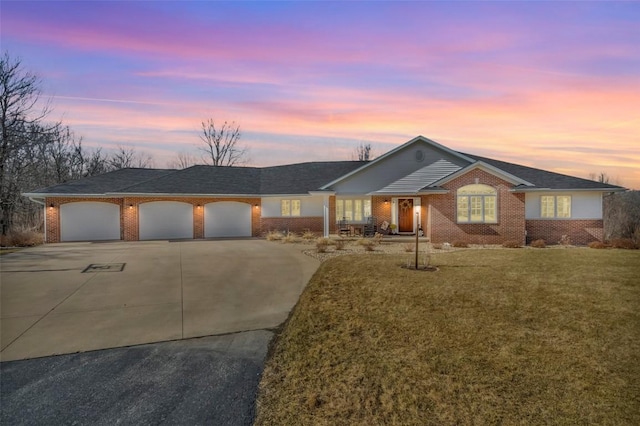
x=130 y=206
x=51 y=206
x=386 y=202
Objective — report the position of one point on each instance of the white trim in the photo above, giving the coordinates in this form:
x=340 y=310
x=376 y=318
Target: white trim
x=569 y=190
x=487 y=168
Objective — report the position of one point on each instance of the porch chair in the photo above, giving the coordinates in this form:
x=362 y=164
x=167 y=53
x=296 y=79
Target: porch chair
x=343 y=227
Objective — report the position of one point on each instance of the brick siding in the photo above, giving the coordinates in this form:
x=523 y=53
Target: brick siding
x=129 y=230
x=292 y=224
x=580 y=231
x=511 y=223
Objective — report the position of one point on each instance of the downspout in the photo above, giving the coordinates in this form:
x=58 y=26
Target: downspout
x=44 y=211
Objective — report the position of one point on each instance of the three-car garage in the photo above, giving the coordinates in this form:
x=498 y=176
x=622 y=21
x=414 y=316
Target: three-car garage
x=156 y=220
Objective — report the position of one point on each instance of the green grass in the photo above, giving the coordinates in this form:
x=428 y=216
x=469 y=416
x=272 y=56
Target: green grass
x=494 y=337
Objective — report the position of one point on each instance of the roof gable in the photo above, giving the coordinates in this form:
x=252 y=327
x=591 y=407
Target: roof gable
x=485 y=167
x=431 y=145
x=417 y=180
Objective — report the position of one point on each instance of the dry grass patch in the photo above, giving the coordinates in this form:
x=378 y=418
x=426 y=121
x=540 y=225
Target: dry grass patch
x=493 y=337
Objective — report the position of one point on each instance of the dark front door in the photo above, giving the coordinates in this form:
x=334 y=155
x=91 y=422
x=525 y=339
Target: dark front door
x=405 y=215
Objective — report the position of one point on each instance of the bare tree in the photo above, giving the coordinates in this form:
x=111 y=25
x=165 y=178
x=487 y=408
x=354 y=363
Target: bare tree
x=19 y=122
x=127 y=157
x=363 y=152
x=221 y=144
x=183 y=160
x=622 y=216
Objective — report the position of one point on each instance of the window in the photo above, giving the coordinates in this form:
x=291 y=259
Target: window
x=477 y=204
x=355 y=210
x=555 y=206
x=290 y=207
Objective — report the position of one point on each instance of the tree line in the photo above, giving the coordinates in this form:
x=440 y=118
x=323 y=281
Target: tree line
x=36 y=152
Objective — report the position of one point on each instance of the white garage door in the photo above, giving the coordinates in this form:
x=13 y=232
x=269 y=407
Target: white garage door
x=89 y=221
x=162 y=220
x=227 y=219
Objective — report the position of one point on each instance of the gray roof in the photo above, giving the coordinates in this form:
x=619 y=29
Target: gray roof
x=103 y=183
x=304 y=177
x=201 y=180
x=543 y=178
x=210 y=180
x=288 y=179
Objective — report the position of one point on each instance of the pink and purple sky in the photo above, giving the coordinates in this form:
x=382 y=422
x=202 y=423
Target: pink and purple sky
x=554 y=85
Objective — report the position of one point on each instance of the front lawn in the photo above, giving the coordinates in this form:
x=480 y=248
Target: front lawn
x=520 y=336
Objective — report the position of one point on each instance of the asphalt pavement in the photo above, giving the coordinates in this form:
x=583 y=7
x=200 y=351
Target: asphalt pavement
x=199 y=381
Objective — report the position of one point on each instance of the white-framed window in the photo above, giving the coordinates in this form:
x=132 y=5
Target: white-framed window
x=555 y=206
x=290 y=207
x=477 y=203
x=353 y=209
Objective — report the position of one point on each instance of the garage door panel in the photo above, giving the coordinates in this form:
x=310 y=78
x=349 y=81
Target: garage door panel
x=227 y=219
x=160 y=220
x=89 y=221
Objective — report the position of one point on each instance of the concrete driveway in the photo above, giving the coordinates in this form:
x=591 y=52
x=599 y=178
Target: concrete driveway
x=66 y=298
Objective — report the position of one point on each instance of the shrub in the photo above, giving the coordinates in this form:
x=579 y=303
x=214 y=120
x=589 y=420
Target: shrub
x=22 y=238
x=409 y=247
x=565 y=240
x=322 y=244
x=377 y=238
x=274 y=236
x=308 y=235
x=597 y=245
x=511 y=244
x=291 y=238
x=460 y=244
x=623 y=243
x=538 y=244
x=367 y=244
x=437 y=246
x=340 y=244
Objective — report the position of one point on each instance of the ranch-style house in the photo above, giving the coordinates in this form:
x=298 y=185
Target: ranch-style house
x=420 y=186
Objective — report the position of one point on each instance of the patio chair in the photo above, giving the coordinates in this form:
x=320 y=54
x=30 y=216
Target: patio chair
x=343 y=227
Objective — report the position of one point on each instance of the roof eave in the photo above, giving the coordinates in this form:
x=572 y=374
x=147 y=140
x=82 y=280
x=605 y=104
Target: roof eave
x=568 y=189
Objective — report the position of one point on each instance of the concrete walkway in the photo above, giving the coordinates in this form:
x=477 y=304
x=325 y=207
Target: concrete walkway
x=54 y=302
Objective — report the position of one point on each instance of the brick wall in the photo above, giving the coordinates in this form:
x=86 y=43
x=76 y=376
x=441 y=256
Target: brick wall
x=292 y=224
x=511 y=223
x=129 y=214
x=580 y=231
x=52 y=215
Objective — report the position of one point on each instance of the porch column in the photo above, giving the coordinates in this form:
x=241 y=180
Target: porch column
x=325 y=210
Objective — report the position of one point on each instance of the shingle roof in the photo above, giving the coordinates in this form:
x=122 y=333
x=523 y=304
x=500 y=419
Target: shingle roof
x=304 y=177
x=543 y=178
x=289 y=179
x=106 y=182
x=201 y=180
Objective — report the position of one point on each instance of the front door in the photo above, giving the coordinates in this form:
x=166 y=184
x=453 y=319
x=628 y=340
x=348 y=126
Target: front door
x=405 y=215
